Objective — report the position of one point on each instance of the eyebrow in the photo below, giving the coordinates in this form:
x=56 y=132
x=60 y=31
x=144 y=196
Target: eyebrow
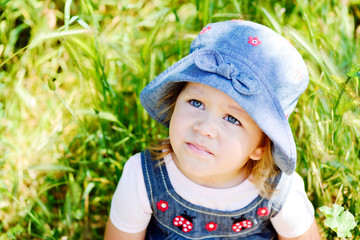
x=195 y=90
x=236 y=108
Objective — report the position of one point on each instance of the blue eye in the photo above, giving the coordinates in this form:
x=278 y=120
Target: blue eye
x=232 y=120
x=196 y=103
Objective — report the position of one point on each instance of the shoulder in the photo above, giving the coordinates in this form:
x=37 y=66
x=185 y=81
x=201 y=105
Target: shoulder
x=130 y=207
x=132 y=172
x=133 y=163
x=297 y=212
x=294 y=184
x=296 y=180
x=132 y=177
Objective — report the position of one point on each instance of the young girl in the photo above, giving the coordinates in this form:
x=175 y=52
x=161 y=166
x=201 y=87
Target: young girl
x=227 y=169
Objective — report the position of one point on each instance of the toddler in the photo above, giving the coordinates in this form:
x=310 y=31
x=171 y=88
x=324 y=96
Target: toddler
x=227 y=170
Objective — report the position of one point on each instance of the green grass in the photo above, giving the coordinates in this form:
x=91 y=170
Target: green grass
x=70 y=77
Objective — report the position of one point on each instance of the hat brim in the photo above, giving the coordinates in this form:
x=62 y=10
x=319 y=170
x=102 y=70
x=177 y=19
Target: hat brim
x=263 y=107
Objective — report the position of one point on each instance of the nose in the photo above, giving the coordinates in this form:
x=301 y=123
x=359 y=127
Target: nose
x=206 y=127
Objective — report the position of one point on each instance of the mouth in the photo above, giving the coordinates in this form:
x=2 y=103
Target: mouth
x=199 y=149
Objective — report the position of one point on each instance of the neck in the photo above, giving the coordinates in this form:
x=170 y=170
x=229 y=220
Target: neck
x=224 y=180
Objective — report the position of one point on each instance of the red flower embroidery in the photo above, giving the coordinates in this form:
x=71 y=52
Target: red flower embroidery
x=298 y=75
x=162 y=205
x=254 y=41
x=211 y=226
x=237 y=20
x=204 y=30
x=263 y=211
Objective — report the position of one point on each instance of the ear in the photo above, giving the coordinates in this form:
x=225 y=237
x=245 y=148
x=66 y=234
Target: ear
x=257 y=153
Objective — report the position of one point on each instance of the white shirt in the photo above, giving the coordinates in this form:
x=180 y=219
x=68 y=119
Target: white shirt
x=131 y=212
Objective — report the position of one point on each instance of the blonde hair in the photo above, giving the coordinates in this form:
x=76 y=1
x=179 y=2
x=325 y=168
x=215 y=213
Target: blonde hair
x=262 y=171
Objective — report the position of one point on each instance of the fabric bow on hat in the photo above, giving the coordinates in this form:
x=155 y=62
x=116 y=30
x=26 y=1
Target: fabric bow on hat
x=211 y=61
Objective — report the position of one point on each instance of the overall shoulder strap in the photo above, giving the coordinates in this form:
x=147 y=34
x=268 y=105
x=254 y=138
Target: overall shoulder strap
x=280 y=195
x=155 y=176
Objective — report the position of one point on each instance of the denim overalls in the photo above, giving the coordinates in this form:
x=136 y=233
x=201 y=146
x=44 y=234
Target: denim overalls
x=175 y=218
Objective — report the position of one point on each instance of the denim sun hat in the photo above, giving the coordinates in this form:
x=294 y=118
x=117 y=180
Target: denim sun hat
x=252 y=64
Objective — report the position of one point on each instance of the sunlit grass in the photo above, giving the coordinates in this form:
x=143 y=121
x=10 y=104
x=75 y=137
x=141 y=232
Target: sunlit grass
x=70 y=76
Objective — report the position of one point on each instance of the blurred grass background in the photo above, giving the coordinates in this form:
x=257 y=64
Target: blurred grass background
x=70 y=77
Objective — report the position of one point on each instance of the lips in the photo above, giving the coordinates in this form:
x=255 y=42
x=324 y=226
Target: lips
x=199 y=149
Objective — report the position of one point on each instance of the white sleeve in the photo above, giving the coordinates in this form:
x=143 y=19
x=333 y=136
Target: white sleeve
x=297 y=213
x=130 y=208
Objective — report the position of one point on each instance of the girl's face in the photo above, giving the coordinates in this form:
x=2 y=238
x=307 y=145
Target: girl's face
x=212 y=137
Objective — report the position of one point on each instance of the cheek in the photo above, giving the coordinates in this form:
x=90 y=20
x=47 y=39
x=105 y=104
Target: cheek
x=179 y=119
x=172 y=129
x=175 y=128
x=235 y=140
x=257 y=136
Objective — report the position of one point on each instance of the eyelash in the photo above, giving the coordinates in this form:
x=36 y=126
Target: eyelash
x=234 y=120
x=229 y=118
x=193 y=102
